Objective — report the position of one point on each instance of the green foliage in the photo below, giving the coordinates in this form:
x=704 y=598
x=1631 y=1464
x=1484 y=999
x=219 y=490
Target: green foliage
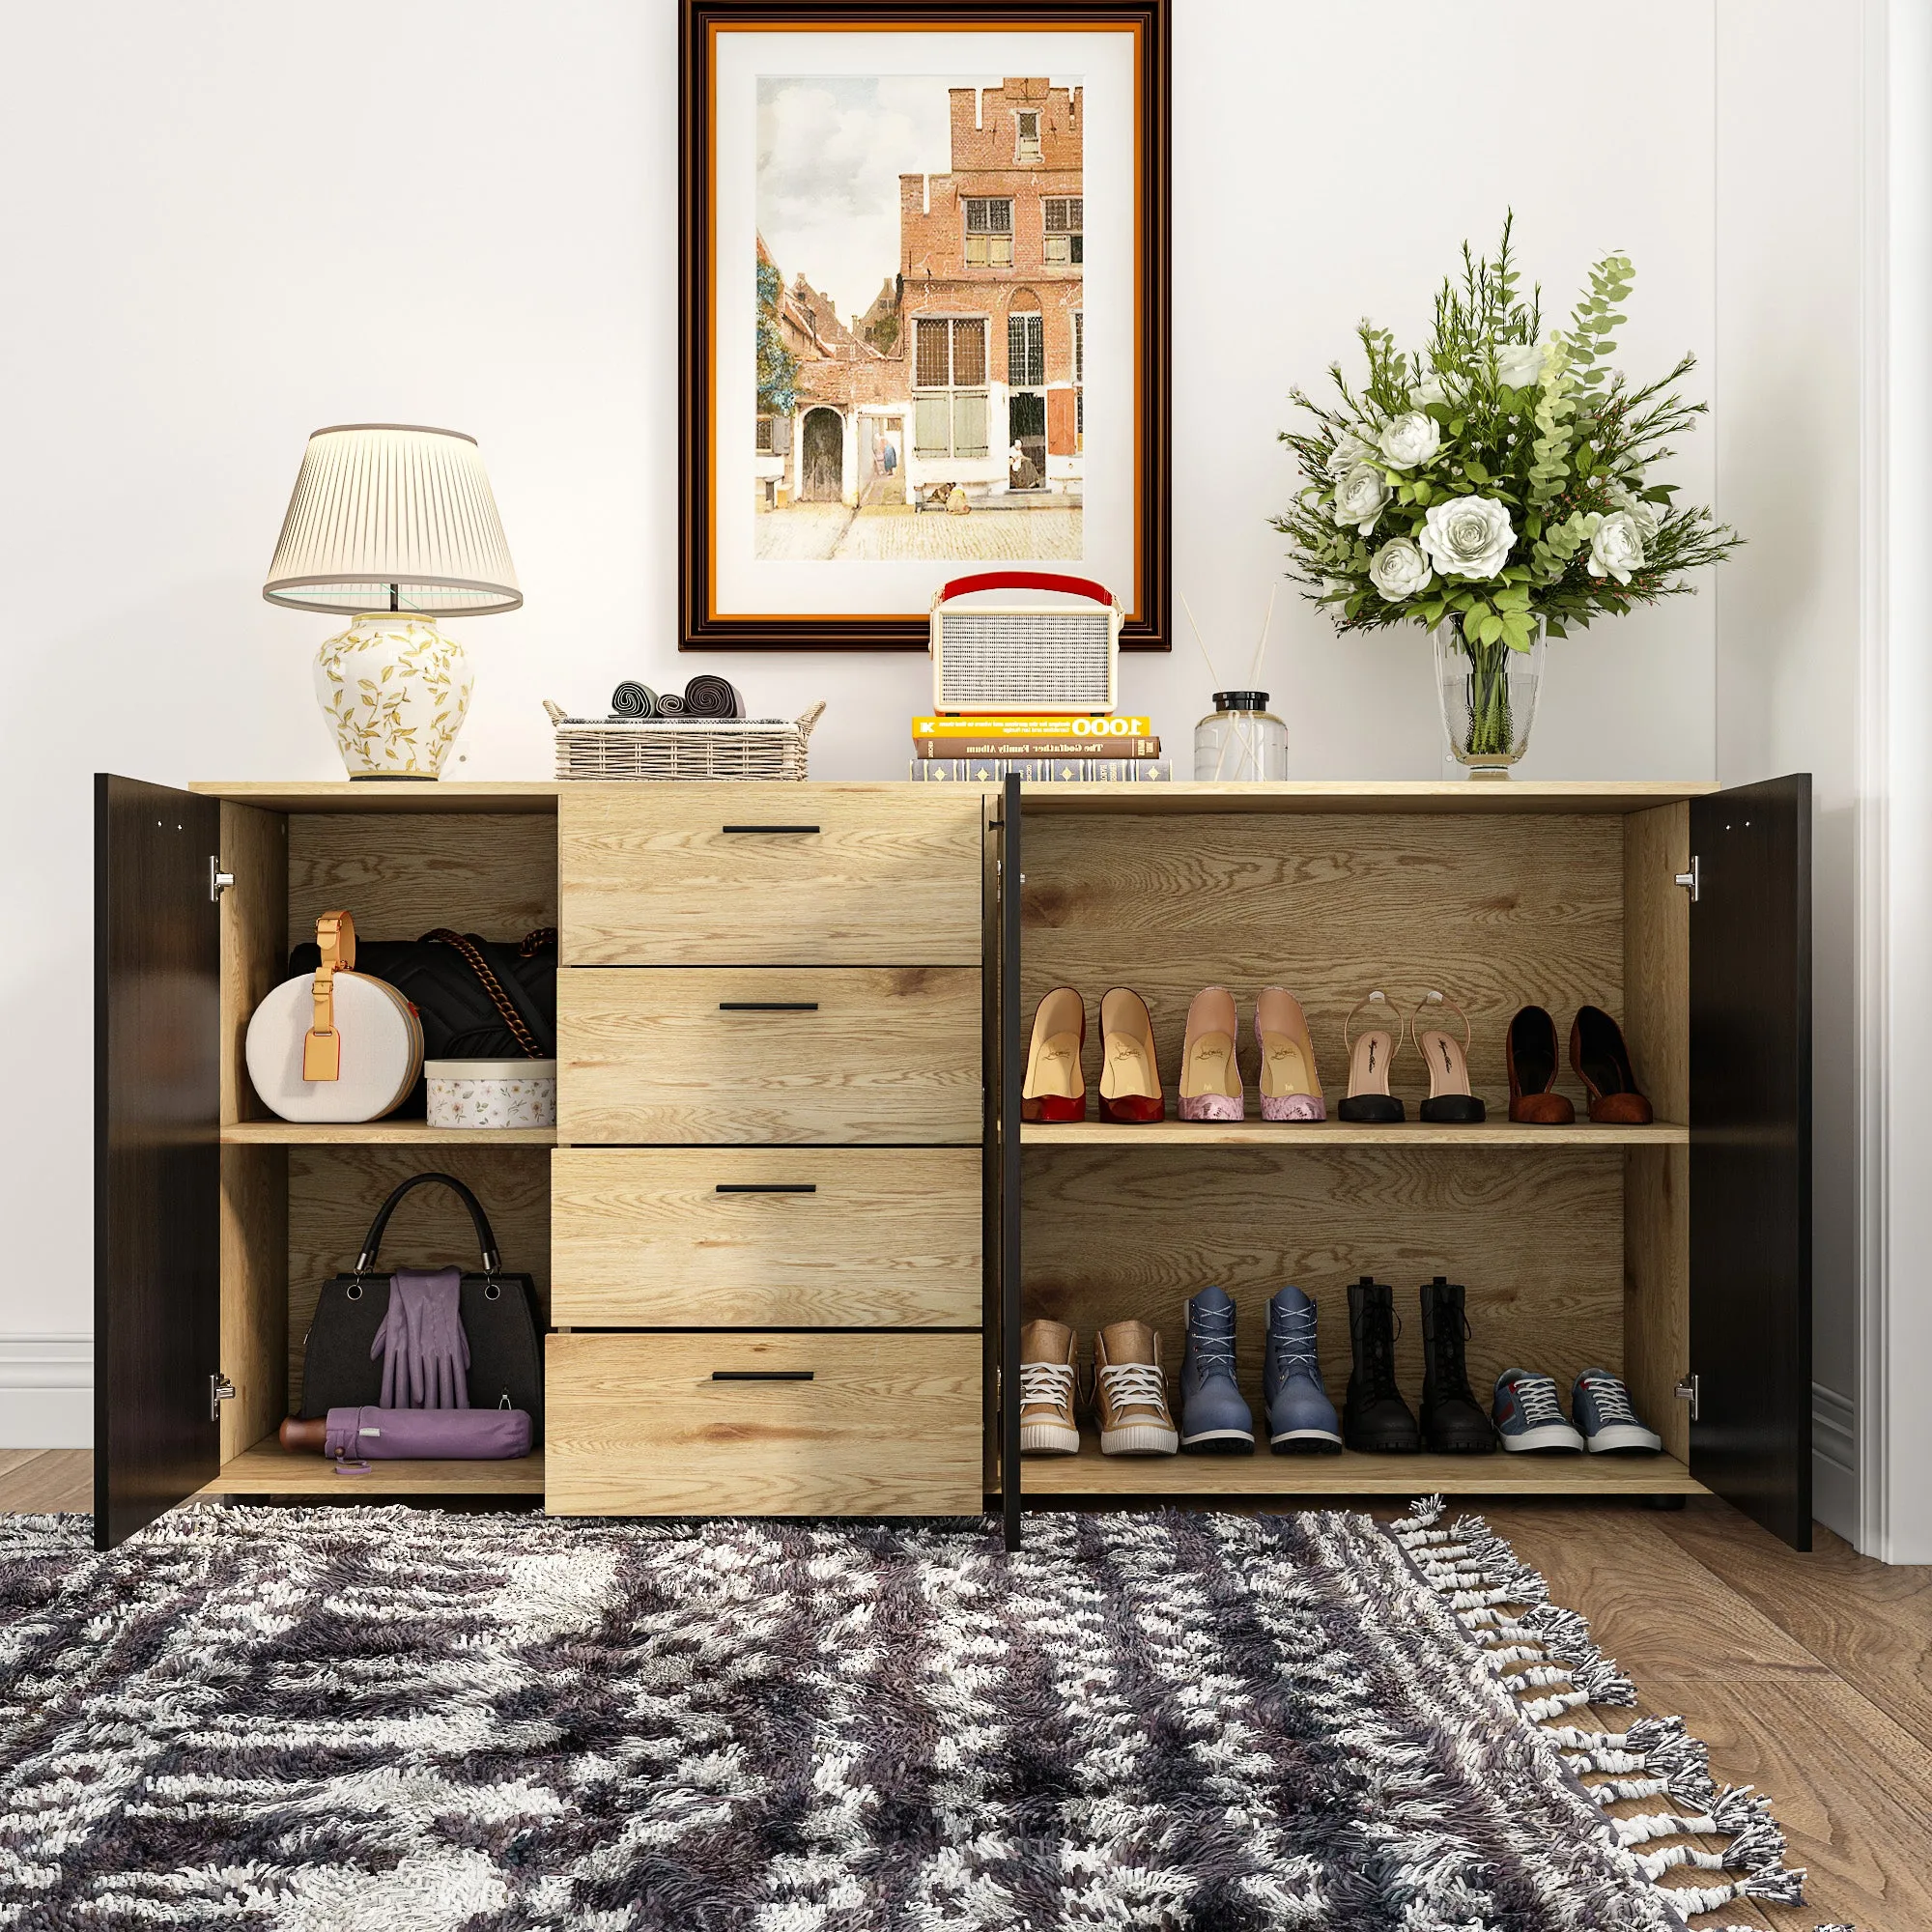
x=1544 y=426
x=777 y=366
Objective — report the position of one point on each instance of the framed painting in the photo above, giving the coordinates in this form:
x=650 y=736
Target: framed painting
x=923 y=252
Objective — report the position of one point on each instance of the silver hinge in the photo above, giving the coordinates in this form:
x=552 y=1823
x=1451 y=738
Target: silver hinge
x=218 y=881
x=1687 y=1391
x=220 y=1390
x=1691 y=879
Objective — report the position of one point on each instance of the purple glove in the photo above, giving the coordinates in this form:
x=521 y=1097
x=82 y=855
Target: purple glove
x=425 y=1352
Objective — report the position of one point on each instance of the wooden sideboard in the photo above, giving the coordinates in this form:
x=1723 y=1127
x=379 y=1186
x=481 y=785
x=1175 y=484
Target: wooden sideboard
x=789 y=1226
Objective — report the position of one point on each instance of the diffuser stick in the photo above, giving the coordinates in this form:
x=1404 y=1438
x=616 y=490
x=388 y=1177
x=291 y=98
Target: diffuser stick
x=1260 y=648
x=1213 y=676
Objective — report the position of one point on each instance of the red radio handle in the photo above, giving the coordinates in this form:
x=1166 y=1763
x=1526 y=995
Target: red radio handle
x=1026 y=579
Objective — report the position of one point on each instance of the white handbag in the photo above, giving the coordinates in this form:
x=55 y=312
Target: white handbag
x=339 y=1046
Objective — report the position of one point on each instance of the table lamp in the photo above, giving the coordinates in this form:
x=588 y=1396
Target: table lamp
x=395 y=526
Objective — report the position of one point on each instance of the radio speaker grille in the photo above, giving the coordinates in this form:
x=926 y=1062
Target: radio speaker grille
x=1024 y=658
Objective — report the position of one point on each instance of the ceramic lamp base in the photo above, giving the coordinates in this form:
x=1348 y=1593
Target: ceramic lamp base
x=395 y=692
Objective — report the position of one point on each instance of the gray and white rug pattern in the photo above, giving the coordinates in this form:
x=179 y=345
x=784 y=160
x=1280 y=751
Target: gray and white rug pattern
x=398 y=1720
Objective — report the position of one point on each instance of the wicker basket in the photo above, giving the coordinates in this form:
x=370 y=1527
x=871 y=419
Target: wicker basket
x=659 y=748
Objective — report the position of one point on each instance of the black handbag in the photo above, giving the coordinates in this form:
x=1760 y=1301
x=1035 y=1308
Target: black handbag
x=499 y=1322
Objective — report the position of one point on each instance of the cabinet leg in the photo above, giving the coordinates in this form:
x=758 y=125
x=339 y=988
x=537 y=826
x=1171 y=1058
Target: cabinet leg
x=1663 y=1502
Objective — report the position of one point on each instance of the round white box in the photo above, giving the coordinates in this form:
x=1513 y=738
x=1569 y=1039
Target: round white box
x=491 y=1093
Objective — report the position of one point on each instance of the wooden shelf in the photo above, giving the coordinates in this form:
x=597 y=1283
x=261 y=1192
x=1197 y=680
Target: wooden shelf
x=1266 y=1474
x=1288 y=1136
x=1432 y=795
x=267 y=1469
x=379 y=1134
x=438 y=795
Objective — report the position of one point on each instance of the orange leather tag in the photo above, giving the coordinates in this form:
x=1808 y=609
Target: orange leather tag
x=322 y=1044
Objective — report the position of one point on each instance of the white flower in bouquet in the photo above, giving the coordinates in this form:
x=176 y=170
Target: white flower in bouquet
x=1616 y=550
x=1432 y=389
x=1399 y=570
x=1349 y=451
x=1359 y=498
x=1644 y=515
x=1410 y=438
x=1519 y=364
x=1467 y=536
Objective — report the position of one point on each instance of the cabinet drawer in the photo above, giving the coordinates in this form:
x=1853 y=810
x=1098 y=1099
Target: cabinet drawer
x=681 y=1057
x=778 y=874
x=751 y=1237
x=863 y=1425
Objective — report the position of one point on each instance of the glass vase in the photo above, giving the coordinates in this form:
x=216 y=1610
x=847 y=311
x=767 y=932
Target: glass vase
x=1488 y=694
x=1240 y=742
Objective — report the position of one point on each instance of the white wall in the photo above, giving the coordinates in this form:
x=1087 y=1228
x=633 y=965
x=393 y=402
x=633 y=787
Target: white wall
x=226 y=224
x=1793 y=609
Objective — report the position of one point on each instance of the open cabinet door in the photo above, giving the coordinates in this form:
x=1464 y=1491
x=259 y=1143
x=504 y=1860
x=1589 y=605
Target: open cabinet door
x=157 y=1154
x=1751 y=1150
x=1012 y=1068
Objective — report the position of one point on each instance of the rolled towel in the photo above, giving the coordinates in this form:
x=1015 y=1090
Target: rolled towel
x=634 y=701
x=670 y=705
x=710 y=696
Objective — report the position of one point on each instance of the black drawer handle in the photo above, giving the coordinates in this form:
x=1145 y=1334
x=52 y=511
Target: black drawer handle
x=760 y=1375
x=768 y=827
x=767 y=1005
x=768 y=1187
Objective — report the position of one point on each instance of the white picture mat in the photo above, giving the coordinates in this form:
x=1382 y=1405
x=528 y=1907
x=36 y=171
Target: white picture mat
x=1102 y=63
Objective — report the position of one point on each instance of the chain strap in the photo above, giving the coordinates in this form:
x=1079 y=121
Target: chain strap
x=492 y=985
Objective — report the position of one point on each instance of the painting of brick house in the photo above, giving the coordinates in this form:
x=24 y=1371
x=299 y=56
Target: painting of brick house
x=945 y=414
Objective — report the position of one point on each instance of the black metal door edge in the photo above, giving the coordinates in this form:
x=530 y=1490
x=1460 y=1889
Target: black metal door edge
x=1011 y=879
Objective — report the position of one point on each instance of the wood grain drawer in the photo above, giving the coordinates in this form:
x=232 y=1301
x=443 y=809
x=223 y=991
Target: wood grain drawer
x=700 y=1057
x=886 y=1424
x=780 y=874
x=750 y=1237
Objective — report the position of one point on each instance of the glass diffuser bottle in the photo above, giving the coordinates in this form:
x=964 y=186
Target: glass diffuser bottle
x=1240 y=742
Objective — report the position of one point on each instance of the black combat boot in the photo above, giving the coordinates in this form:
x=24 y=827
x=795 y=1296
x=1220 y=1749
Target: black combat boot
x=1374 y=1417
x=1453 y=1424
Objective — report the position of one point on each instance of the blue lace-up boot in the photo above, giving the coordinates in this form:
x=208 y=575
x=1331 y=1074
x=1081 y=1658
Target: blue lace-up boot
x=1299 y=1414
x=1214 y=1415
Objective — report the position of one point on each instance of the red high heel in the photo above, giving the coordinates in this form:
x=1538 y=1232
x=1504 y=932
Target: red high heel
x=1056 y=1089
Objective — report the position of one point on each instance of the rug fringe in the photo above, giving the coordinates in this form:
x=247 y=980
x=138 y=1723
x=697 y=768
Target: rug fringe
x=1534 y=1646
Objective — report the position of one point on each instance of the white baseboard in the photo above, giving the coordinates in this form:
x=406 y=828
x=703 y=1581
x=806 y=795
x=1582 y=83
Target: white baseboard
x=1835 y=1462
x=46 y=1391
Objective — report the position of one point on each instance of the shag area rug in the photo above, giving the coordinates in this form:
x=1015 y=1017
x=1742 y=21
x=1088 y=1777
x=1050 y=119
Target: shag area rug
x=395 y=1721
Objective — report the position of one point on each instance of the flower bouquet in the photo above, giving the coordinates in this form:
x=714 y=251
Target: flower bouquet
x=1495 y=490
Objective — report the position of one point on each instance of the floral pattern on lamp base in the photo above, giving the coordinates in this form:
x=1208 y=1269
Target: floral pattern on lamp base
x=396 y=691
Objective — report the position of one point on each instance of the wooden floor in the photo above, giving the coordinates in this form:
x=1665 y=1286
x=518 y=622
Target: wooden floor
x=1810 y=1677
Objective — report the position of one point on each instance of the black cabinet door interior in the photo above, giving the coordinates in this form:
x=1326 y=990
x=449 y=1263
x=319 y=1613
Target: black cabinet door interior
x=1751 y=1150
x=156 y=1157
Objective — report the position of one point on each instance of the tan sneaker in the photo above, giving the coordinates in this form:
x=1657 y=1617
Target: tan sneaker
x=1049 y=1368
x=1130 y=1392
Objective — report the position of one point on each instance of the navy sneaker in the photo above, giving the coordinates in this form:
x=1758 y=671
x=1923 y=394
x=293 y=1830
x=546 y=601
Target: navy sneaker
x=1529 y=1415
x=1300 y=1417
x=1214 y=1415
x=1602 y=1406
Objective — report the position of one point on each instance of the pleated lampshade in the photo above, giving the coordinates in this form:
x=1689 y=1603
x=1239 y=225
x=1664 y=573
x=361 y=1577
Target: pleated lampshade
x=389 y=517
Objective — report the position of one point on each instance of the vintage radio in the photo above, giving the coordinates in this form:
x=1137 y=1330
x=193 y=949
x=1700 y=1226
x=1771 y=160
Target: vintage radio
x=1032 y=658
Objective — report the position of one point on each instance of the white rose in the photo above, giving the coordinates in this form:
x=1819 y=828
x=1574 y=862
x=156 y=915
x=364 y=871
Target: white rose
x=1399 y=570
x=1432 y=389
x=1410 y=438
x=1520 y=365
x=1644 y=515
x=1359 y=498
x=1467 y=536
x=1349 y=451
x=1617 y=547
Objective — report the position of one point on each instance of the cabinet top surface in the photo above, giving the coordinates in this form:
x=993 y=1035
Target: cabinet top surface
x=541 y=795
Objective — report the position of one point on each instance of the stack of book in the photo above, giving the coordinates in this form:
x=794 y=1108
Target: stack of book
x=1060 y=750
